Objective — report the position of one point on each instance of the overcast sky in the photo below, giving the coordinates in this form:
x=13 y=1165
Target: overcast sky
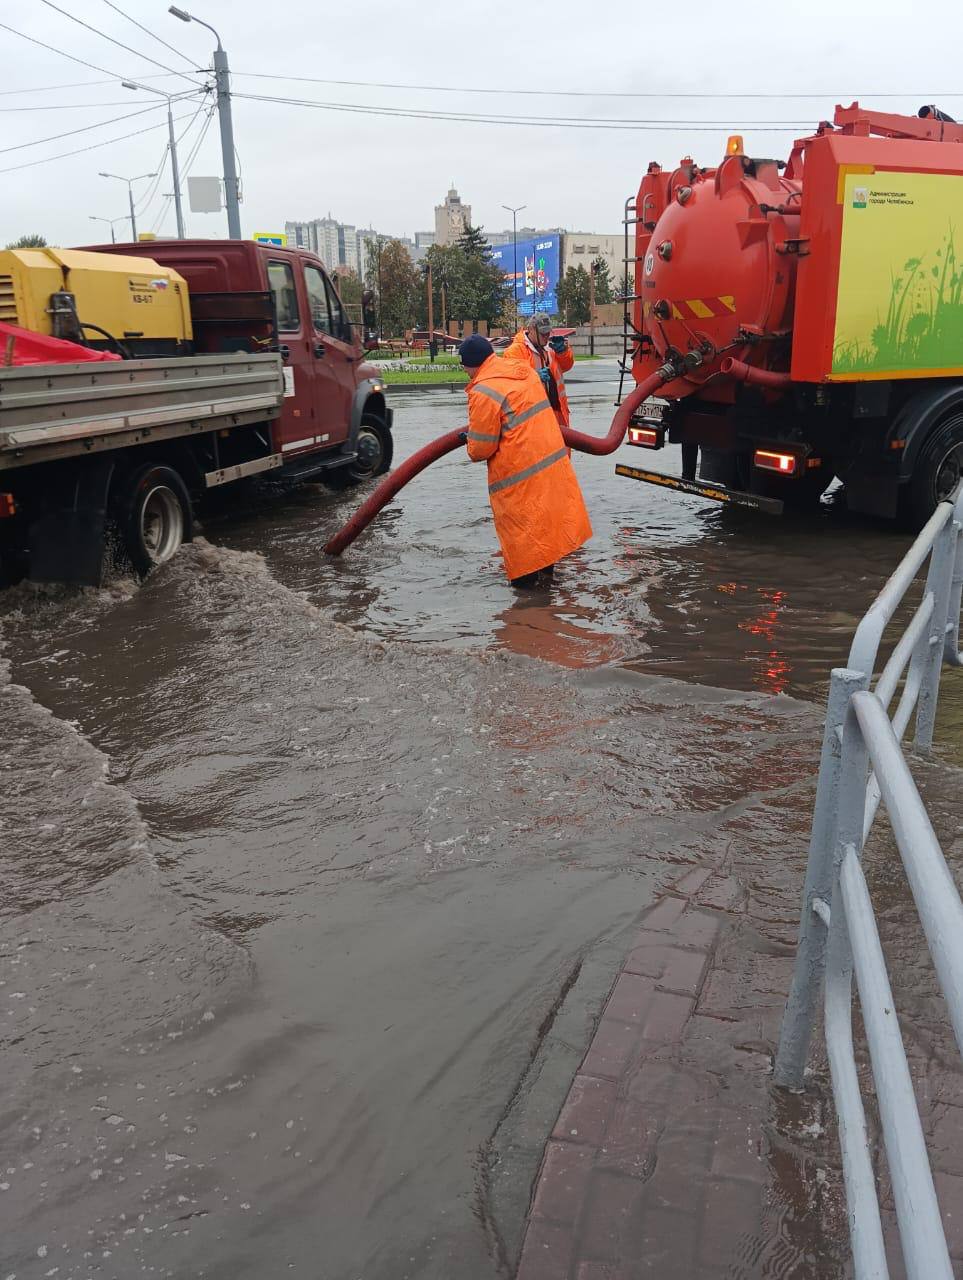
x=300 y=162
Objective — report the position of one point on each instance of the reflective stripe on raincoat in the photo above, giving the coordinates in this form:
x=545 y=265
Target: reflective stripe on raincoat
x=536 y=500
x=521 y=348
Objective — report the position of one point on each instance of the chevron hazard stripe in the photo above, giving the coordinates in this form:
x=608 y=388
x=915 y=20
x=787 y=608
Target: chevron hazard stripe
x=700 y=308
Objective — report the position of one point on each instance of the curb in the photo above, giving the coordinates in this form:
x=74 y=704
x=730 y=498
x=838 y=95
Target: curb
x=401 y=388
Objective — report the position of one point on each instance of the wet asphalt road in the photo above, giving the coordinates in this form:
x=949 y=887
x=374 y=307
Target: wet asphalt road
x=312 y=870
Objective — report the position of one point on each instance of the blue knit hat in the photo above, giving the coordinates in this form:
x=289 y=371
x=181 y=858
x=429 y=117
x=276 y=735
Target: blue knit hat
x=474 y=351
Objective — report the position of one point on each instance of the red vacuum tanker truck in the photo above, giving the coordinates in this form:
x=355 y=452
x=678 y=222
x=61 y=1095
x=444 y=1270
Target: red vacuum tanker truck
x=805 y=318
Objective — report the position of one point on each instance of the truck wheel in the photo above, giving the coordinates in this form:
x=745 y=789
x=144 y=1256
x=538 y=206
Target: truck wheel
x=155 y=518
x=938 y=470
x=375 y=448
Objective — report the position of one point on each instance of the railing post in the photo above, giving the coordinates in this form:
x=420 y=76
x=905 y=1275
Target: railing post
x=865 y=1228
x=801 y=1006
x=939 y=581
x=951 y=647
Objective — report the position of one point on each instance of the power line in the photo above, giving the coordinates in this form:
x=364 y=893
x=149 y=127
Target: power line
x=75 y=84
x=165 y=208
x=120 y=45
x=146 y=30
x=921 y=95
x=69 y=106
x=94 y=146
x=56 y=137
x=145 y=201
x=560 y=122
x=929 y=94
x=50 y=48
x=149 y=197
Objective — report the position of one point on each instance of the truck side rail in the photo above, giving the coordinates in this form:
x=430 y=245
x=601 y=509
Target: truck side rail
x=49 y=411
x=862 y=765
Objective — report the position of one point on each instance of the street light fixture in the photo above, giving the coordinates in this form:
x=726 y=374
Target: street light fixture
x=222 y=77
x=514 y=212
x=130 y=195
x=110 y=222
x=133 y=84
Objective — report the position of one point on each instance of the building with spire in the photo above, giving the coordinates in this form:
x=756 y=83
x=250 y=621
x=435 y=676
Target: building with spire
x=451 y=218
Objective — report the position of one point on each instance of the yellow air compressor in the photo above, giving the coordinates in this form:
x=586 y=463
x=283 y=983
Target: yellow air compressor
x=130 y=305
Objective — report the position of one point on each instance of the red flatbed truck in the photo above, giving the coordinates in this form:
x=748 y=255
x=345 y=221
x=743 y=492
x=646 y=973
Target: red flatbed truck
x=272 y=380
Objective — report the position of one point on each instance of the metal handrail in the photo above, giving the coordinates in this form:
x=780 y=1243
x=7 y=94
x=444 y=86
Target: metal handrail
x=861 y=766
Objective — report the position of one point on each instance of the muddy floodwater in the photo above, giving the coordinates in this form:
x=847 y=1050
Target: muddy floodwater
x=313 y=872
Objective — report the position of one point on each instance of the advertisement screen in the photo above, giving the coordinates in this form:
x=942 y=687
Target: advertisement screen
x=537 y=275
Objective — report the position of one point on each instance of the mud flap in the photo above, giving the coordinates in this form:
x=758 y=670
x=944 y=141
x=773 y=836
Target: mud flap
x=67 y=543
x=715 y=492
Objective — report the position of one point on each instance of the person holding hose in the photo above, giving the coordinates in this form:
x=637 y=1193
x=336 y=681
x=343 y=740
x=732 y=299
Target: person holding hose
x=536 y=501
x=549 y=357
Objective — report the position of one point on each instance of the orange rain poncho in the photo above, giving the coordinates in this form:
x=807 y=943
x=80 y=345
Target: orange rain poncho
x=536 y=500
x=521 y=348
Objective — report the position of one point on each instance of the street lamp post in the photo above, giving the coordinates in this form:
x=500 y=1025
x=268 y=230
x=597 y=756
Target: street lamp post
x=381 y=332
x=132 y=84
x=222 y=77
x=431 y=313
x=593 y=273
x=110 y=222
x=130 y=195
x=514 y=213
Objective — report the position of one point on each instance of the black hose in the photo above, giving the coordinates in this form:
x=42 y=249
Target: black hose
x=119 y=347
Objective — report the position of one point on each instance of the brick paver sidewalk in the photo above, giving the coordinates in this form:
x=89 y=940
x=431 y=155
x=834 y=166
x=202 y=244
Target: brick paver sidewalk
x=672 y=1157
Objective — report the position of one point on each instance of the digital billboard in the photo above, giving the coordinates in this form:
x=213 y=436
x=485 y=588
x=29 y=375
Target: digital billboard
x=537 y=275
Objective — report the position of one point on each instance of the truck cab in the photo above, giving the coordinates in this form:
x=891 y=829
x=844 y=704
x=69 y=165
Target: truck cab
x=248 y=297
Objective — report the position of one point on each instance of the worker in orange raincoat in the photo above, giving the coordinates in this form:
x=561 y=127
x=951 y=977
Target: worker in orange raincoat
x=536 y=500
x=549 y=357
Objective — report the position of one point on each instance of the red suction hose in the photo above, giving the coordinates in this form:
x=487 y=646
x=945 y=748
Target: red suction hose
x=623 y=415
x=754 y=376
x=390 y=486
x=411 y=467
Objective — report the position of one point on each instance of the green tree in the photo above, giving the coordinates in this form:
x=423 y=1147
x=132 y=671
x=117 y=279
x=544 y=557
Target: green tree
x=473 y=242
x=475 y=287
x=399 y=283
x=28 y=242
x=447 y=264
x=573 y=295
x=348 y=285
x=485 y=290
x=603 y=281
x=625 y=289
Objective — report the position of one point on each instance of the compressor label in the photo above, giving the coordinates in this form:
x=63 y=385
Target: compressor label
x=899 y=307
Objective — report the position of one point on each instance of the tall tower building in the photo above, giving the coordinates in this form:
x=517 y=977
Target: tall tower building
x=451 y=218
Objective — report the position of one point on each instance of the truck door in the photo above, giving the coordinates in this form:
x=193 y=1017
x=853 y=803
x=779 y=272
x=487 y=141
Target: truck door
x=334 y=358
x=296 y=428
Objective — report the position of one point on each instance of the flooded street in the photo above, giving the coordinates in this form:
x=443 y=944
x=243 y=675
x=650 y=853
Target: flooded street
x=314 y=871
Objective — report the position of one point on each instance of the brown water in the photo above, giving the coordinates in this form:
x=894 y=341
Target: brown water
x=310 y=868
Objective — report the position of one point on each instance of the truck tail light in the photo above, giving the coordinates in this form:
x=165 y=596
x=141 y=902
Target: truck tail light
x=646 y=437
x=8 y=506
x=785 y=463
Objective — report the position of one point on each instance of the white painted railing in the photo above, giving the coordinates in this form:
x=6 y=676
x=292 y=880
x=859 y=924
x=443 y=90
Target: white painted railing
x=862 y=765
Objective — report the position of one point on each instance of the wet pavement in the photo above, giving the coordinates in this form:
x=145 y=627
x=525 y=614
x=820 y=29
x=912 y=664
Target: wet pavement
x=314 y=872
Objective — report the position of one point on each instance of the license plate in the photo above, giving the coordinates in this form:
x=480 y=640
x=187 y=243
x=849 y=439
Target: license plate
x=651 y=411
